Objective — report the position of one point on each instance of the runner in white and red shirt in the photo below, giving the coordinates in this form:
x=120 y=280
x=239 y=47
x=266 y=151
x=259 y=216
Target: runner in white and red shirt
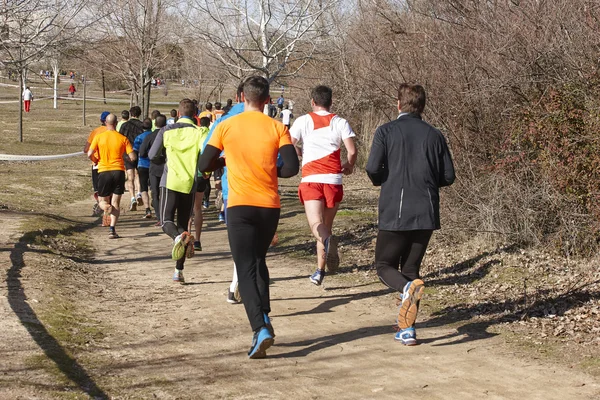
x=320 y=190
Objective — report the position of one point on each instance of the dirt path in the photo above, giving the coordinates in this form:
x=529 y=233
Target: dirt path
x=172 y=341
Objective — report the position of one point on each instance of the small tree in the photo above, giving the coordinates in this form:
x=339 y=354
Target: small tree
x=32 y=29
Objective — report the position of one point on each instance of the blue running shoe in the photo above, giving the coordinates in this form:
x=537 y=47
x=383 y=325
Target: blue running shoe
x=317 y=277
x=221 y=217
x=261 y=341
x=407 y=312
x=407 y=337
x=268 y=324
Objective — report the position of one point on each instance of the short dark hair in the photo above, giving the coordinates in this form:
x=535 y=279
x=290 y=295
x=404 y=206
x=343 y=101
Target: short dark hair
x=135 y=111
x=256 y=90
x=322 y=96
x=218 y=105
x=208 y=106
x=125 y=114
x=205 y=121
x=147 y=124
x=230 y=102
x=187 y=108
x=173 y=113
x=161 y=120
x=411 y=98
x=155 y=113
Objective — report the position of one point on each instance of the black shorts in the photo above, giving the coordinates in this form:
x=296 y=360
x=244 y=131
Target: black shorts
x=95 y=179
x=111 y=182
x=201 y=185
x=144 y=174
x=130 y=164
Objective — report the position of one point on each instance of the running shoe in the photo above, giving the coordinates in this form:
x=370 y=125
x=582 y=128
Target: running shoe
x=407 y=337
x=332 y=258
x=178 y=276
x=180 y=246
x=189 y=251
x=112 y=234
x=407 y=312
x=158 y=224
x=148 y=214
x=275 y=240
x=221 y=216
x=231 y=297
x=96 y=210
x=261 y=341
x=317 y=277
x=205 y=204
x=268 y=324
x=197 y=245
x=139 y=200
x=236 y=293
x=133 y=205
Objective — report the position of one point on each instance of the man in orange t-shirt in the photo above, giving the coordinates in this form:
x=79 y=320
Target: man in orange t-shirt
x=90 y=138
x=107 y=150
x=251 y=141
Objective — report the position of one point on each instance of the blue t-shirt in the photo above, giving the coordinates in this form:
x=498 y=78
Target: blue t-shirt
x=143 y=162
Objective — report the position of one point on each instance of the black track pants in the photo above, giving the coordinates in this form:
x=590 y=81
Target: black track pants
x=250 y=231
x=155 y=189
x=171 y=202
x=398 y=256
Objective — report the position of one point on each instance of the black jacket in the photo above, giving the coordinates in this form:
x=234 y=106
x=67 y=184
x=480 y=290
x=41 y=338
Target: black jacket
x=410 y=160
x=157 y=166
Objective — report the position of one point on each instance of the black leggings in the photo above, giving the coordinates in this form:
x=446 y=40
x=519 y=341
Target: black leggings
x=207 y=191
x=171 y=201
x=155 y=189
x=398 y=256
x=250 y=231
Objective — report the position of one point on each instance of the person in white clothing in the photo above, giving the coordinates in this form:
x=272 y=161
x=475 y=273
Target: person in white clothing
x=320 y=190
x=286 y=116
x=27 y=98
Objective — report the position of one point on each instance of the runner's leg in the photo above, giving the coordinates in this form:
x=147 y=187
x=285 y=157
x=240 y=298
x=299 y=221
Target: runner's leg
x=388 y=251
x=155 y=189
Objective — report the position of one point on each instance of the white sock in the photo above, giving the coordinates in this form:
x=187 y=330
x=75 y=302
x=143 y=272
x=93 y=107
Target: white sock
x=234 y=280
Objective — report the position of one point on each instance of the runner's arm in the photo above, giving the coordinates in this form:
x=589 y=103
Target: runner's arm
x=156 y=151
x=376 y=166
x=348 y=167
x=291 y=165
x=210 y=159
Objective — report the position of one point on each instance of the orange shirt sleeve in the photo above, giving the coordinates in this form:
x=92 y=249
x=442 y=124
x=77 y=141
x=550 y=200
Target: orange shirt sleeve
x=216 y=140
x=94 y=144
x=284 y=137
x=128 y=146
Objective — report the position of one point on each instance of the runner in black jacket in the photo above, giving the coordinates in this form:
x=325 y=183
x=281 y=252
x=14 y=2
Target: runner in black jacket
x=410 y=160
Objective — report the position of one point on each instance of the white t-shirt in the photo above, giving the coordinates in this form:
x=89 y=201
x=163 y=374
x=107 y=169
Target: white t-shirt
x=286 y=116
x=321 y=134
x=27 y=95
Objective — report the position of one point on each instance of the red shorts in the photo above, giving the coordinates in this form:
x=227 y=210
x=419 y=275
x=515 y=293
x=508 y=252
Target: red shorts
x=332 y=194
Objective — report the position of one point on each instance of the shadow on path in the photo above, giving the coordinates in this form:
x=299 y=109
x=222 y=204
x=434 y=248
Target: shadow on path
x=36 y=329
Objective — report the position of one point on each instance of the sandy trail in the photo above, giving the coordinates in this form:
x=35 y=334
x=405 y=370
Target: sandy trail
x=172 y=341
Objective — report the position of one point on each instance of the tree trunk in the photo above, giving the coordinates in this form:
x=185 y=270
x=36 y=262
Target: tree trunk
x=103 y=88
x=84 y=98
x=55 y=70
x=147 y=103
x=20 y=124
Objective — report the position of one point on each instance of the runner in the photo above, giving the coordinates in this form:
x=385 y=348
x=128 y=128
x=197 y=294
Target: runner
x=143 y=167
x=130 y=130
x=157 y=166
x=228 y=106
x=90 y=139
x=173 y=117
x=253 y=203
x=218 y=112
x=321 y=190
x=286 y=116
x=72 y=90
x=183 y=145
x=153 y=116
x=27 y=99
x=201 y=183
x=124 y=118
x=110 y=147
x=410 y=160
x=233 y=294
x=208 y=112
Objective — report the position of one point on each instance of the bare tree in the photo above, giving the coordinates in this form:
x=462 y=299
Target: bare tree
x=31 y=29
x=273 y=37
x=131 y=35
